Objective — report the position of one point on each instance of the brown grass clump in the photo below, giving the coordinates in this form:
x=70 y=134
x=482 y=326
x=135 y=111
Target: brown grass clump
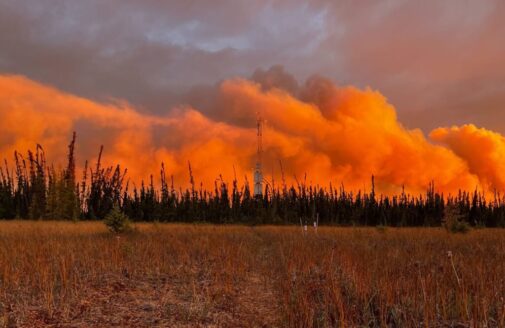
x=78 y=274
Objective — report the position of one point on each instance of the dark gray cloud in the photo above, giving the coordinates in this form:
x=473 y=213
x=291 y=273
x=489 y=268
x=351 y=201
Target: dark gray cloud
x=438 y=62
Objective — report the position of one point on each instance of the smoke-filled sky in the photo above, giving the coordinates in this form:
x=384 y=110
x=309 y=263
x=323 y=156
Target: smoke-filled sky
x=407 y=90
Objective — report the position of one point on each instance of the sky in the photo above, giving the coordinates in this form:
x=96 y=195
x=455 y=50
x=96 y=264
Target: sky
x=432 y=73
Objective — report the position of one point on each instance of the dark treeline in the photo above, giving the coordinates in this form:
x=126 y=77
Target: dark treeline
x=32 y=189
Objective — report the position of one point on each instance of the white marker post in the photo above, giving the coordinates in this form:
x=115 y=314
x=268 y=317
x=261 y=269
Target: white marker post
x=316 y=223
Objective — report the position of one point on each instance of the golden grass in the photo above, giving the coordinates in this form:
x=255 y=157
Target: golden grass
x=61 y=273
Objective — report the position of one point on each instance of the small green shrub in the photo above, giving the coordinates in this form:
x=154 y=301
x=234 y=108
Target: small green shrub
x=116 y=221
x=453 y=221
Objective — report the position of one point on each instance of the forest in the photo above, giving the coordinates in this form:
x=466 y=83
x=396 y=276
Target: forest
x=33 y=189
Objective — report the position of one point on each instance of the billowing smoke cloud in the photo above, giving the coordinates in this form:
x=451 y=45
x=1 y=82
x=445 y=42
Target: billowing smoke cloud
x=31 y=113
x=331 y=133
x=483 y=150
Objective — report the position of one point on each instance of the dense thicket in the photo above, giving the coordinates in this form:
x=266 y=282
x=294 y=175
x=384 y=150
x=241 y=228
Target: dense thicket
x=32 y=189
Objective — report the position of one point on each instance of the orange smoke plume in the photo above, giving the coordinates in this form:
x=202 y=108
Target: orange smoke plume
x=482 y=150
x=332 y=134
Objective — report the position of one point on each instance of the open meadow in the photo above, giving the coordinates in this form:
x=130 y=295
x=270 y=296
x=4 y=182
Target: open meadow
x=79 y=275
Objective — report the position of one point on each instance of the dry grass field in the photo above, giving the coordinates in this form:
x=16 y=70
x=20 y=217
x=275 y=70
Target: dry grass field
x=66 y=274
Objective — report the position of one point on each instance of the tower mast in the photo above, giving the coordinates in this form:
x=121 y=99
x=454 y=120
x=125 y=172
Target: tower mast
x=258 y=174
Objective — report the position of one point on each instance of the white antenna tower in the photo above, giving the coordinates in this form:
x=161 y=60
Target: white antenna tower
x=258 y=174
